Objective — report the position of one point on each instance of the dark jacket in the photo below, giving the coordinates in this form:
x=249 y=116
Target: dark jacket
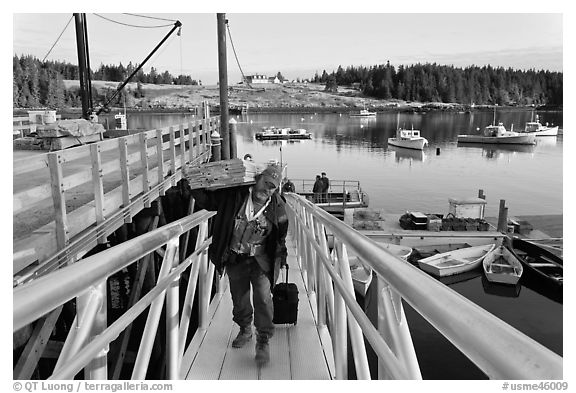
x=318 y=186
x=227 y=202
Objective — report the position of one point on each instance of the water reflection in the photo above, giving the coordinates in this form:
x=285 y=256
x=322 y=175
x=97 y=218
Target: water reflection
x=501 y=290
x=496 y=152
x=402 y=154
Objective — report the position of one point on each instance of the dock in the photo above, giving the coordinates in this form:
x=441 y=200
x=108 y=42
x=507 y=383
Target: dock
x=123 y=182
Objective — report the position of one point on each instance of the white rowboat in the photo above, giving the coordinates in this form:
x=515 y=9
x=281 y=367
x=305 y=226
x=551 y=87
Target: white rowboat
x=455 y=262
x=501 y=266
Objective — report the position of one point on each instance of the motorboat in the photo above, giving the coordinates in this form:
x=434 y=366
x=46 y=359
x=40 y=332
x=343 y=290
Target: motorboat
x=497 y=134
x=537 y=129
x=274 y=133
x=363 y=113
x=408 y=139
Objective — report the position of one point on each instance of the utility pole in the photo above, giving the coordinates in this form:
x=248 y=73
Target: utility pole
x=223 y=81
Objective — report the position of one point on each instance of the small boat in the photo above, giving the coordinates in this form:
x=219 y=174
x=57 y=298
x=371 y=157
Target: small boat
x=538 y=262
x=363 y=113
x=537 y=129
x=362 y=273
x=502 y=266
x=499 y=135
x=274 y=133
x=408 y=139
x=455 y=262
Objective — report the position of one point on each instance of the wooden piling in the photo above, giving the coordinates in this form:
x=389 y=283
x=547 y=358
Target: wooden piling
x=223 y=84
x=502 y=217
x=232 y=126
x=216 y=147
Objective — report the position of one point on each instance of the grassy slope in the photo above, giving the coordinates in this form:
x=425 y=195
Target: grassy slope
x=294 y=95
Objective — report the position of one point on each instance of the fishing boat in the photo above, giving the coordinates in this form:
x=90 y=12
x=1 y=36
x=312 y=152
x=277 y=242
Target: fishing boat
x=502 y=266
x=408 y=139
x=274 y=133
x=539 y=263
x=363 y=113
x=537 y=129
x=456 y=261
x=499 y=135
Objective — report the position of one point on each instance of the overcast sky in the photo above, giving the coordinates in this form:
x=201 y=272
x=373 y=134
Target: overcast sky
x=300 y=44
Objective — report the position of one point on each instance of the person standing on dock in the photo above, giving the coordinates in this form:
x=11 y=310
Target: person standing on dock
x=325 y=187
x=249 y=241
x=288 y=186
x=317 y=189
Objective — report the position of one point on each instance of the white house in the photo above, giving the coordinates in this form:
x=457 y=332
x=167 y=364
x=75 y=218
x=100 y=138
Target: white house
x=258 y=78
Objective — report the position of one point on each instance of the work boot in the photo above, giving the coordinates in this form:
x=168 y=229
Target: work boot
x=244 y=335
x=262 y=351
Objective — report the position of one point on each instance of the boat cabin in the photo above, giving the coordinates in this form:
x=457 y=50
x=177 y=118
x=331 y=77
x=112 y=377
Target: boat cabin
x=492 y=130
x=532 y=126
x=407 y=134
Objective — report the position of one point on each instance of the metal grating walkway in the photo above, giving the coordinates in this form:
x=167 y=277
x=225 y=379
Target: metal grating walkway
x=296 y=352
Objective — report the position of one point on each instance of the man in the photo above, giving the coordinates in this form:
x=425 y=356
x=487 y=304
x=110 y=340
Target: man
x=288 y=186
x=317 y=189
x=249 y=240
x=326 y=186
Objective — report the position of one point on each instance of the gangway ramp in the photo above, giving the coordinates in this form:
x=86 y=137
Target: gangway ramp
x=296 y=351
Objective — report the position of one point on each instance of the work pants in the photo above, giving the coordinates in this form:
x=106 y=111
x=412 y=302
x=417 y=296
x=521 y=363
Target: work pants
x=241 y=276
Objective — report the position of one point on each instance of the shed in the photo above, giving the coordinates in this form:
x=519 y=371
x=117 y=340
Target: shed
x=467 y=208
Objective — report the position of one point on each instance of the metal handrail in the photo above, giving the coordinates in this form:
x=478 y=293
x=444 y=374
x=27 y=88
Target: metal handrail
x=509 y=354
x=38 y=297
x=87 y=344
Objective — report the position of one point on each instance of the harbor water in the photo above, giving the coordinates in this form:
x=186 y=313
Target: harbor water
x=529 y=178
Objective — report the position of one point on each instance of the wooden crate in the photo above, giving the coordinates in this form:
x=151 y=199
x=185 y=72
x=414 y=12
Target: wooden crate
x=223 y=174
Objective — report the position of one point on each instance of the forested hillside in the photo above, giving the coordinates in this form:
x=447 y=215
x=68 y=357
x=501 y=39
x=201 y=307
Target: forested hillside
x=41 y=84
x=439 y=83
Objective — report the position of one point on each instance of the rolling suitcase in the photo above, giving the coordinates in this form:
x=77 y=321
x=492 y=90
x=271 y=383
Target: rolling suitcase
x=285 y=299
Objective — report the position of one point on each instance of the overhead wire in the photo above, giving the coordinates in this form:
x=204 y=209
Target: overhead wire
x=131 y=25
x=58 y=39
x=237 y=61
x=151 y=17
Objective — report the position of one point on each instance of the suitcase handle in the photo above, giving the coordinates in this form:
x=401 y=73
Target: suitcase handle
x=286 y=266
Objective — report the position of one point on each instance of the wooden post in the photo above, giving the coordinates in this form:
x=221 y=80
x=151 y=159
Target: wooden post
x=59 y=198
x=125 y=170
x=233 y=131
x=172 y=153
x=223 y=81
x=160 y=155
x=144 y=160
x=191 y=136
x=216 y=147
x=502 y=217
x=182 y=147
x=98 y=186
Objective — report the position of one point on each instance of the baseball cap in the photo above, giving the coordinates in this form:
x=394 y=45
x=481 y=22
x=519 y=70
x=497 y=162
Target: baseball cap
x=272 y=175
